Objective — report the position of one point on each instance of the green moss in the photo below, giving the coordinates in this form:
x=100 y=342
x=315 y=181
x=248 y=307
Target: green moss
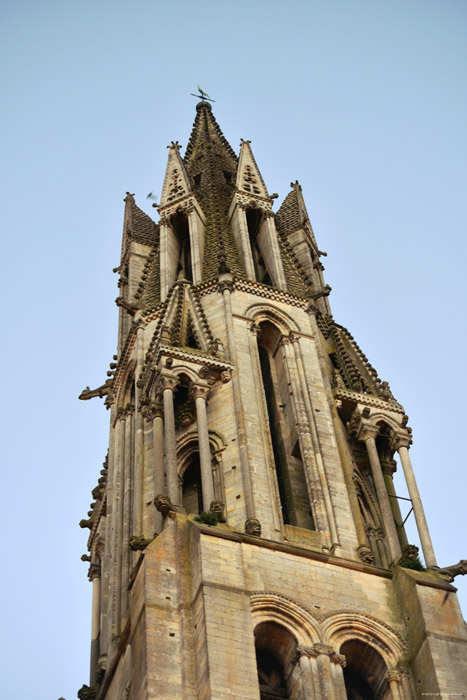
x=412 y=563
x=207 y=518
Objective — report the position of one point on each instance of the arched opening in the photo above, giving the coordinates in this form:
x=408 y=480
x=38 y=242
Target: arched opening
x=192 y=493
x=181 y=228
x=365 y=674
x=291 y=481
x=274 y=651
x=253 y=220
x=184 y=405
x=372 y=522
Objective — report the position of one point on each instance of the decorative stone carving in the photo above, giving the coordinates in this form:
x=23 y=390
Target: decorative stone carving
x=365 y=554
x=393 y=676
x=101 y=391
x=450 y=572
x=200 y=391
x=168 y=381
x=320 y=649
x=139 y=543
x=165 y=506
x=94 y=571
x=253 y=527
x=216 y=347
x=217 y=507
x=87 y=693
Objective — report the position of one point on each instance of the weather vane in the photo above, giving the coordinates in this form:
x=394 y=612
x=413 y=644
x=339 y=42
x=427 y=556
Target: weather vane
x=202 y=94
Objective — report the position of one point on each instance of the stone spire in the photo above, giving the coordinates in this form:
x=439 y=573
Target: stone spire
x=212 y=165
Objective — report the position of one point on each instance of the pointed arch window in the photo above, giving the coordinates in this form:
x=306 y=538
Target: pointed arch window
x=192 y=492
x=180 y=226
x=254 y=220
x=291 y=480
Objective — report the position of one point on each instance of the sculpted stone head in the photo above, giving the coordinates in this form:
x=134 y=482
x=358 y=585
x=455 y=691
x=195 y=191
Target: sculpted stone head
x=163 y=504
x=217 y=507
x=253 y=527
x=410 y=551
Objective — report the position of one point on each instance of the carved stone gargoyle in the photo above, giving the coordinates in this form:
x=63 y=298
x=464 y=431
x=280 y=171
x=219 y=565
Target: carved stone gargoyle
x=450 y=572
x=87 y=693
x=165 y=506
x=100 y=392
x=217 y=507
x=139 y=543
x=131 y=308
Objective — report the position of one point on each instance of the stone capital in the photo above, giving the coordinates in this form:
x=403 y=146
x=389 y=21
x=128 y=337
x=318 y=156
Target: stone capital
x=200 y=390
x=393 y=676
x=402 y=439
x=361 y=427
x=154 y=410
x=168 y=381
x=320 y=650
x=293 y=337
x=94 y=571
x=255 y=329
x=226 y=285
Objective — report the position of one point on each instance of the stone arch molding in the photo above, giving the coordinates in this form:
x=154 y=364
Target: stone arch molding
x=189 y=443
x=267 y=312
x=343 y=626
x=271 y=607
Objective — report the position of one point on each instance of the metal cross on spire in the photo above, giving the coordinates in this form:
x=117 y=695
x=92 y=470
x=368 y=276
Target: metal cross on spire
x=203 y=95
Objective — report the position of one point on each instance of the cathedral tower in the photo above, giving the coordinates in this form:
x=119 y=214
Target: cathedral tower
x=246 y=540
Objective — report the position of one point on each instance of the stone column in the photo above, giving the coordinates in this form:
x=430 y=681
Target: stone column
x=200 y=394
x=106 y=601
x=388 y=471
x=139 y=439
x=368 y=434
x=126 y=507
x=117 y=524
x=226 y=287
x=402 y=444
x=394 y=680
x=380 y=539
x=304 y=658
x=155 y=413
x=168 y=386
x=327 y=668
x=94 y=575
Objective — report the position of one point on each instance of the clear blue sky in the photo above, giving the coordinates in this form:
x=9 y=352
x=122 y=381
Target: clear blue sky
x=363 y=102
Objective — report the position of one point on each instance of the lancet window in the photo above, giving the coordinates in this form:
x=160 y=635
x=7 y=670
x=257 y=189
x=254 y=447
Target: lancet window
x=191 y=487
x=254 y=219
x=181 y=229
x=289 y=468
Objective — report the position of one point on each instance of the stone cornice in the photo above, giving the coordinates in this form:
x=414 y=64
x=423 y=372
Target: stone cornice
x=367 y=400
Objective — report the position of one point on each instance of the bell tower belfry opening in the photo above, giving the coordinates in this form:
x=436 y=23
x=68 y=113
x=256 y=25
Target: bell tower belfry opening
x=245 y=539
